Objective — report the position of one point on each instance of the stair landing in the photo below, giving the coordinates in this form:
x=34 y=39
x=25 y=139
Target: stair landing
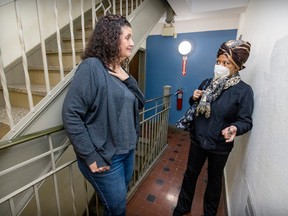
x=17 y=112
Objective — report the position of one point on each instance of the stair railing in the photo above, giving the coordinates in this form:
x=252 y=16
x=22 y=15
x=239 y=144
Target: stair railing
x=50 y=181
x=24 y=56
x=97 y=8
x=6 y=92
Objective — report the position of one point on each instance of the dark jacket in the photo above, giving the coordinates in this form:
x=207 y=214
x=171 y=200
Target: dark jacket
x=91 y=111
x=234 y=106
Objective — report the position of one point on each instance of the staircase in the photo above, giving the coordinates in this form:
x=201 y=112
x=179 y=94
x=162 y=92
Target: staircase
x=47 y=104
x=18 y=92
x=29 y=119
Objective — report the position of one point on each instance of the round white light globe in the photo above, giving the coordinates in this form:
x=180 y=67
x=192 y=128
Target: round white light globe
x=184 y=47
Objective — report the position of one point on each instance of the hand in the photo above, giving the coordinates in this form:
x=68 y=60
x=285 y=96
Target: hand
x=197 y=94
x=93 y=167
x=120 y=73
x=229 y=133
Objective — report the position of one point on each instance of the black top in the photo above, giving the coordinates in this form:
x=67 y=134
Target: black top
x=234 y=106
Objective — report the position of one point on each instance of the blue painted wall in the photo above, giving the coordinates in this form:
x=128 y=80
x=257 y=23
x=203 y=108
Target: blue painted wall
x=164 y=64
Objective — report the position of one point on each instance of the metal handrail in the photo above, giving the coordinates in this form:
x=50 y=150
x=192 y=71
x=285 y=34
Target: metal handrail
x=152 y=143
x=158 y=98
x=16 y=141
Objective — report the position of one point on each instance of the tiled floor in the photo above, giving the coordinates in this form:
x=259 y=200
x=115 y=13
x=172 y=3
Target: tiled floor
x=157 y=195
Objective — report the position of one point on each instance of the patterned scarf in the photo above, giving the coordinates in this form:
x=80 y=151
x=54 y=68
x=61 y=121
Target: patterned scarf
x=213 y=91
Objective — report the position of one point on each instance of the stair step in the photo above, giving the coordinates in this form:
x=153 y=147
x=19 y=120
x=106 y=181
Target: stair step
x=64 y=51
x=37 y=75
x=53 y=59
x=19 y=98
x=50 y=68
x=88 y=32
x=17 y=113
x=87 y=27
x=39 y=90
x=77 y=41
x=4 y=130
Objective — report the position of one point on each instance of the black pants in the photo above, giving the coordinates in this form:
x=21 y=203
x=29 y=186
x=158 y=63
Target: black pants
x=196 y=160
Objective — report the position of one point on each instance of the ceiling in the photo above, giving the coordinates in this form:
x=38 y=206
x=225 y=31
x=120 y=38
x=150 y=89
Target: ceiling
x=205 y=9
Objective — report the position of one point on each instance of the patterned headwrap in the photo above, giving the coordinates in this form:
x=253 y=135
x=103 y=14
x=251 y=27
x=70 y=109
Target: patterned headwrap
x=237 y=51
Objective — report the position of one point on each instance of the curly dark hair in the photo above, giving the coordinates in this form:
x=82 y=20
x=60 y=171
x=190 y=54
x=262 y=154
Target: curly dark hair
x=105 y=40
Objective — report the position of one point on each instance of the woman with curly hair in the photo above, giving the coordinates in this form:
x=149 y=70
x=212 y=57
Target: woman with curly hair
x=101 y=112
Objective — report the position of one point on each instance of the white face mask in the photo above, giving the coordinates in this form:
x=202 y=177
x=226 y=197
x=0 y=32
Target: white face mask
x=220 y=71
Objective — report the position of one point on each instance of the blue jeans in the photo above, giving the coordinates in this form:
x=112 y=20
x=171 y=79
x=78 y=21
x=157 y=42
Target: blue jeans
x=111 y=186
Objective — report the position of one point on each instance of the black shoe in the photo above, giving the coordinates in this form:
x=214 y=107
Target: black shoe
x=177 y=213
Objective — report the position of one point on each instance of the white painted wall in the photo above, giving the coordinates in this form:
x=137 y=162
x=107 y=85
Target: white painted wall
x=258 y=166
x=9 y=42
x=186 y=22
x=218 y=22
x=197 y=6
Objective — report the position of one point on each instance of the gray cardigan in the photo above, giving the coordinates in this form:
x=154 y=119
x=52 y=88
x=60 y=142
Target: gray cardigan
x=91 y=111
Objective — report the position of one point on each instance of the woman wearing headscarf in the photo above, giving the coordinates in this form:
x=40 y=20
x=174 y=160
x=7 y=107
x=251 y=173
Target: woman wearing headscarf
x=224 y=111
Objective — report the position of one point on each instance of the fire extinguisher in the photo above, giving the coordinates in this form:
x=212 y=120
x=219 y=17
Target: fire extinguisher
x=179 y=99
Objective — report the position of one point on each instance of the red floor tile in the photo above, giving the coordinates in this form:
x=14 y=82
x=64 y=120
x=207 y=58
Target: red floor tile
x=158 y=193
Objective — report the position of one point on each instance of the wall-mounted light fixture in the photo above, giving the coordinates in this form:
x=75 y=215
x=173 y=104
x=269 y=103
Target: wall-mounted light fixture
x=184 y=49
x=168 y=28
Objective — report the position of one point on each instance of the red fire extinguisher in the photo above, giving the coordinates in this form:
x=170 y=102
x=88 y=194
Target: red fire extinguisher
x=179 y=99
